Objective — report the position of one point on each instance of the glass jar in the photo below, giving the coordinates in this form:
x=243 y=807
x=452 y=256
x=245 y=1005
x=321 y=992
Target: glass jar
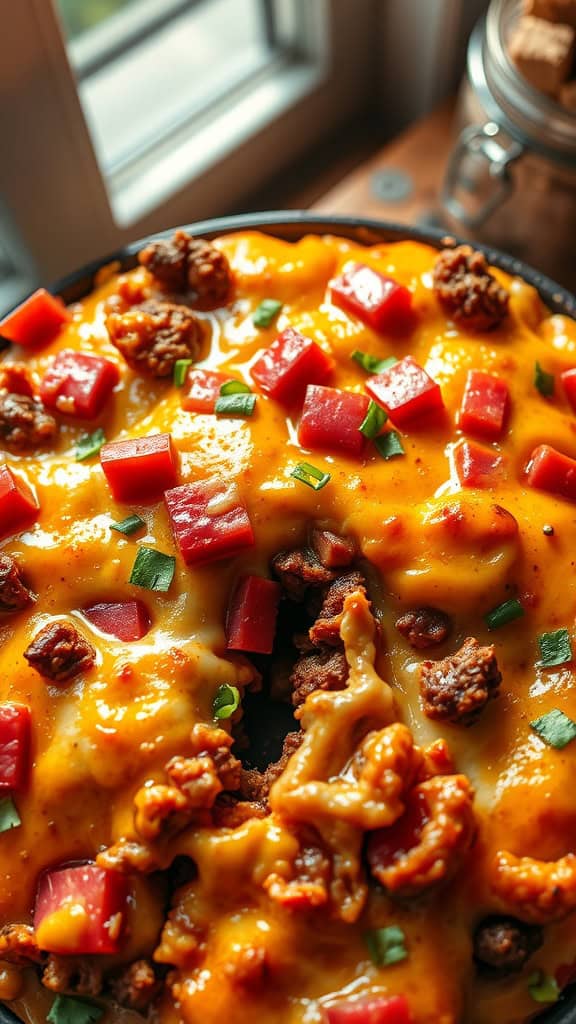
x=511 y=177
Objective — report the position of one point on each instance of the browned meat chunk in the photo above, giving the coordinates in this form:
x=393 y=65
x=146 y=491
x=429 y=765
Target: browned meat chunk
x=325 y=669
x=153 y=336
x=183 y=265
x=298 y=570
x=14 y=594
x=424 y=627
x=333 y=551
x=24 y=422
x=229 y=812
x=502 y=945
x=467 y=289
x=72 y=974
x=255 y=785
x=136 y=986
x=326 y=629
x=310 y=885
x=457 y=688
x=18 y=944
x=59 y=652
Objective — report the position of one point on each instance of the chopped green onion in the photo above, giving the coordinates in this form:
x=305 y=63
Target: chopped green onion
x=504 y=613
x=266 y=312
x=373 y=421
x=543 y=381
x=181 y=367
x=235 y=387
x=543 y=987
x=153 y=570
x=386 y=945
x=9 y=817
x=389 y=445
x=90 y=444
x=371 y=363
x=555 y=648
x=555 y=729
x=226 y=701
x=66 y=1010
x=235 y=405
x=128 y=525
x=310 y=475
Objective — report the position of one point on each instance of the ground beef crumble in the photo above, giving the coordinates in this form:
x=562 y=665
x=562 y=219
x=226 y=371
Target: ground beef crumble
x=14 y=594
x=24 y=422
x=457 y=688
x=299 y=570
x=467 y=289
x=59 y=652
x=503 y=945
x=424 y=627
x=154 y=335
x=190 y=266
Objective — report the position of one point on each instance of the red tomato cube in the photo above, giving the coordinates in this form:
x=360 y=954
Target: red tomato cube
x=291 y=362
x=14 y=745
x=550 y=470
x=331 y=420
x=569 y=382
x=36 y=321
x=79 y=910
x=18 y=505
x=126 y=620
x=405 y=391
x=209 y=520
x=141 y=468
x=476 y=466
x=378 y=301
x=251 y=618
x=371 y=1010
x=78 y=384
x=484 y=405
x=203 y=388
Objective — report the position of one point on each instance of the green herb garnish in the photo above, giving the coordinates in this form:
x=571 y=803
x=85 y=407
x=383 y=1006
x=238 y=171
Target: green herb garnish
x=389 y=445
x=372 y=364
x=373 y=421
x=386 y=945
x=65 y=1010
x=555 y=729
x=181 y=367
x=89 y=445
x=9 y=817
x=543 y=987
x=128 y=525
x=153 y=570
x=235 y=405
x=235 y=387
x=310 y=475
x=226 y=701
x=543 y=381
x=555 y=648
x=266 y=312
x=504 y=613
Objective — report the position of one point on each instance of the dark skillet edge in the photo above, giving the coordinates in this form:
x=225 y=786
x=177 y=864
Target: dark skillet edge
x=291 y=225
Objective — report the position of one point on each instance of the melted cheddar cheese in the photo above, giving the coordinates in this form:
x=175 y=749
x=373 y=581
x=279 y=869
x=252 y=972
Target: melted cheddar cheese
x=100 y=737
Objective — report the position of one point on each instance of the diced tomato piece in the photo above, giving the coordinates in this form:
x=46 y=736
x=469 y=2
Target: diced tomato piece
x=209 y=520
x=405 y=391
x=203 y=390
x=372 y=1010
x=550 y=470
x=378 y=301
x=331 y=420
x=36 y=321
x=141 y=468
x=14 y=745
x=475 y=466
x=484 y=405
x=291 y=362
x=79 y=384
x=251 y=618
x=18 y=506
x=387 y=845
x=569 y=382
x=79 y=910
x=126 y=620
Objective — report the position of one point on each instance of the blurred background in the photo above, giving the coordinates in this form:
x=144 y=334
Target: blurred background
x=123 y=117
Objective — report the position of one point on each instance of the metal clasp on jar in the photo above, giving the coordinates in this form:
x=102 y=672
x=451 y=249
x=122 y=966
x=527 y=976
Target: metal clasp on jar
x=480 y=167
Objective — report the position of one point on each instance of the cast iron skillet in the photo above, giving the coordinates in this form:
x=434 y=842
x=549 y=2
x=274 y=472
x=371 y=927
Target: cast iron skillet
x=292 y=225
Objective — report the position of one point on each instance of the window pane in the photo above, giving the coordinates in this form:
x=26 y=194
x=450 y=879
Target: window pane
x=80 y=15
x=156 y=81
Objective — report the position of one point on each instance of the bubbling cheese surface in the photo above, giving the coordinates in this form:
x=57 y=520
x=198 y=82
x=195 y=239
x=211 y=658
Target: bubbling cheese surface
x=429 y=541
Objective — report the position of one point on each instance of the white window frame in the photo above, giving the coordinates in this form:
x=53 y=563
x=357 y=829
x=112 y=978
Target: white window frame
x=49 y=174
